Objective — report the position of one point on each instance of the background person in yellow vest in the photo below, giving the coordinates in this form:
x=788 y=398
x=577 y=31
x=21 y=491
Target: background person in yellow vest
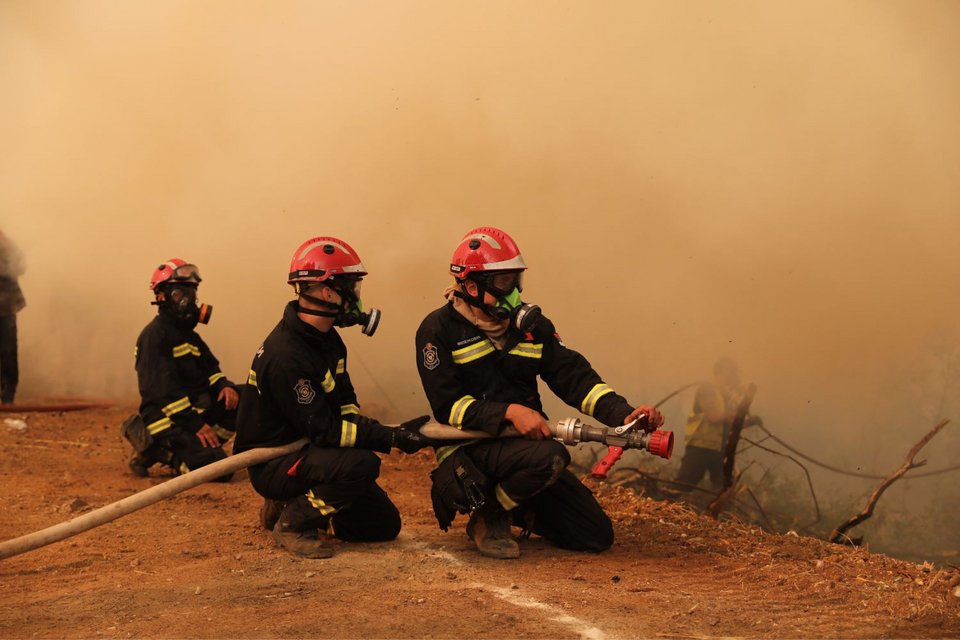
x=708 y=425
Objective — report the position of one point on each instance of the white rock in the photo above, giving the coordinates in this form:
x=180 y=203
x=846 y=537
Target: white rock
x=16 y=424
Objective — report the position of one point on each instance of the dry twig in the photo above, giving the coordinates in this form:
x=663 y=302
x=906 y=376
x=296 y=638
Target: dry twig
x=908 y=464
x=729 y=456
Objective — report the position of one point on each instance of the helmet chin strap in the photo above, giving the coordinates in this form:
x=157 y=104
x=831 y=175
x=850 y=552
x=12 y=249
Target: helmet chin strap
x=335 y=308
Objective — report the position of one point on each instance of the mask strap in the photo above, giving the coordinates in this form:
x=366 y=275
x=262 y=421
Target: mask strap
x=317 y=301
x=498 y=313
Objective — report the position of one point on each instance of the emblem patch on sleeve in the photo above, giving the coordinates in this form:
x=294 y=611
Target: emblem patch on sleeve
x=430 y=357
x=305 y=392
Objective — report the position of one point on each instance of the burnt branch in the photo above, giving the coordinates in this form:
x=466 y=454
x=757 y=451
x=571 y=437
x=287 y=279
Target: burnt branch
x=908 y=464
x=730 y=454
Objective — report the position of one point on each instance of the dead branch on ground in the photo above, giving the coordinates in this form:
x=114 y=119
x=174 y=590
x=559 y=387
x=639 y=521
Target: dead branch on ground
x=907 y=465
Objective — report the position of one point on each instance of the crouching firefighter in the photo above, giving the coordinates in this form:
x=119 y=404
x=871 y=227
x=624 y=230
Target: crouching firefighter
x=188 y=406
x=299 y=387
x=479 y=357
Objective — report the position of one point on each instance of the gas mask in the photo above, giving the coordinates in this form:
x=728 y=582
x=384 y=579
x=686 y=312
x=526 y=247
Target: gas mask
x=505 y=286
x=180 y=301
x=350 y=310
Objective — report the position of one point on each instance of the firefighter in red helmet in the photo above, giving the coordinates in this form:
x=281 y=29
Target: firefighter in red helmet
x=300 y=388
x=188 y=406
x=479 y=357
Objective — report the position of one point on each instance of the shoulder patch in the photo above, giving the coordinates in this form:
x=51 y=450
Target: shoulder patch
x=430 y=357
x=559 y=340
x=305 y=392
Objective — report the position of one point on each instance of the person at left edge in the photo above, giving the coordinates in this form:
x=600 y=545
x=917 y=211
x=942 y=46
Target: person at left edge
x=11 y=302
x=299 y=387
x=188 y=406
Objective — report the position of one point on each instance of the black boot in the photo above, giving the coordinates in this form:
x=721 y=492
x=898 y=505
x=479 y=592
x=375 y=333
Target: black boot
x=140 y=465
x=302 y=542
x=489 y=528
x=270 y=513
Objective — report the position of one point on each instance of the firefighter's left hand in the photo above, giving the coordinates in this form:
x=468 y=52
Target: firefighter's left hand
x=229 y=397
x=654 y=417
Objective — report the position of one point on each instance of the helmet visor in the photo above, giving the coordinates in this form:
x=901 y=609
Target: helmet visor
x=503 y=282
x=186 y=273
x=346 y=285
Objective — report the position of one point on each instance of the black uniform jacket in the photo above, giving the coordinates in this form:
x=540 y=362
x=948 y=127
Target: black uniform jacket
x=469 y=383
x=178 y=375
x=302 y=389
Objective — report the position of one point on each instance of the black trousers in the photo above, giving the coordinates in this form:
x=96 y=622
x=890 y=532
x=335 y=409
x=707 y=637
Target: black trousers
x=698 y=461
x=9 y=371
x=326 y=487
x=184 y=452
x=533 y=475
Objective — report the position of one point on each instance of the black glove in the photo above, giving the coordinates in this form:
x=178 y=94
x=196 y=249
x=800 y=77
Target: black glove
x=407 y=436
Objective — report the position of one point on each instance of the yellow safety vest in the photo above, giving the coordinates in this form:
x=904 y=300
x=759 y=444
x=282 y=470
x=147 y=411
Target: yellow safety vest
x=701 y=432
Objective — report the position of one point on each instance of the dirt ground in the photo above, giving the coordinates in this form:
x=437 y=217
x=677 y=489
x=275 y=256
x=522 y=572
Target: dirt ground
x=198 y=565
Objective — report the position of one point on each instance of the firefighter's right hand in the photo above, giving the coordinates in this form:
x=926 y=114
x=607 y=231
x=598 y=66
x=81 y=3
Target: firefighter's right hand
x=208 y=437
x=528 y=422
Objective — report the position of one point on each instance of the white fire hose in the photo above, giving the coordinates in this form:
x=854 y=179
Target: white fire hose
x=569 y=431
x=143 y=499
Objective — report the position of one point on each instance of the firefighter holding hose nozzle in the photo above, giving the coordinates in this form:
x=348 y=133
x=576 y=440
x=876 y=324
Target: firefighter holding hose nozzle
x=479 y=357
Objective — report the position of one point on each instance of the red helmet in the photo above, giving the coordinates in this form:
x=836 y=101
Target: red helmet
x=320 y=258
x=174 y=270
x=485 y=249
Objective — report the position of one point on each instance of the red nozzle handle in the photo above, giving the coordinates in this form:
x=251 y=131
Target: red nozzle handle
x=601 y=468
x=661 y=444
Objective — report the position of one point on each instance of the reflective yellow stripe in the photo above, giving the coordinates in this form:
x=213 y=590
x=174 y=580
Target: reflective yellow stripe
x=186 y=349
x=184 y=468
x=328 y=382
x=348 y=433
x=459 y=409
x=504 y=499
x=252 y=378
x=472 y=352
x=215 y=377
x=527 y=350
x=590 y=402
x=176 y=406
x=444 y=452
x=223 y=434
x=156 y=427
x=347 y=409
x=319 y=504
x=341 y=366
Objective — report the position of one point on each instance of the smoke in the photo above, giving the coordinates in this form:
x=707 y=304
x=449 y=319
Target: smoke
x=769 y=181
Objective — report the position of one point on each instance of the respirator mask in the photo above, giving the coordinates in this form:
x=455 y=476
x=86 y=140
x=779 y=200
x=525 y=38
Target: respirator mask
x=350 y=310
x=505 y=286
x=180 y=301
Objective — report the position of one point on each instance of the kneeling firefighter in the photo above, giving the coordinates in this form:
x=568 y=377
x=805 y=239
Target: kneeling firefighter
x=299 y=387
x=479 y=357
x=188 y=406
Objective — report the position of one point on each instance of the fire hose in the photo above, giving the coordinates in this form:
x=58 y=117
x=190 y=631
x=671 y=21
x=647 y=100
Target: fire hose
x=143 y=499
x=571 y=431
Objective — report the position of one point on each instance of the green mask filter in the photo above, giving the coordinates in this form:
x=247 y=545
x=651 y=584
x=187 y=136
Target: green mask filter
x=523 y=317
x=511 y=302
